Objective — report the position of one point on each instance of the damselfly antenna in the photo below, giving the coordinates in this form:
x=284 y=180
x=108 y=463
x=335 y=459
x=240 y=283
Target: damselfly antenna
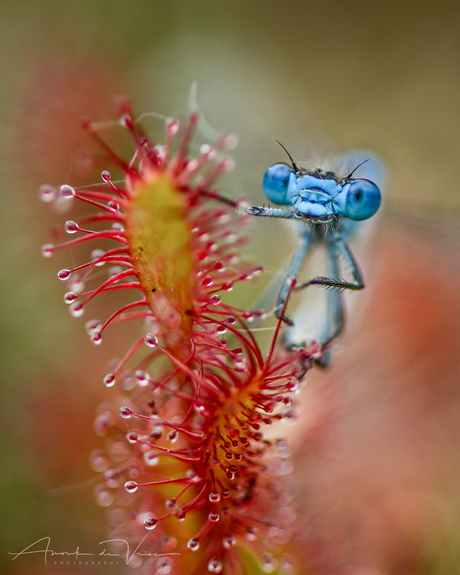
x=353 y=171
x=290 y=157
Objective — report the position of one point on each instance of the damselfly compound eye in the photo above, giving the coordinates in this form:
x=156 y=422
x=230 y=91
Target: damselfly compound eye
x=276 y=182
x=362 y=200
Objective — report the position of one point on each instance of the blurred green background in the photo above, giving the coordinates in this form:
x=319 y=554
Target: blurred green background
x=320 y=76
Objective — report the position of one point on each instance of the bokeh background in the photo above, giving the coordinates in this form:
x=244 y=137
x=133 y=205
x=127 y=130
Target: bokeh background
x=377 y=444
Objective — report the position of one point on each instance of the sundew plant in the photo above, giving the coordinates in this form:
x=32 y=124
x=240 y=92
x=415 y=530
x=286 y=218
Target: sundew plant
x=186 y=473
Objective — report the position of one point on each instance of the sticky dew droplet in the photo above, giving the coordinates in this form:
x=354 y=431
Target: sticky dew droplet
x=131 y=486
x=214 y=517
x=179 y=515
x=208 y=151
x=98 y=460
x=150 y=340
x=71 y=227
x=151 y=458
x=164 y=566
x=287 y=565
x=156 y=433
x=104 y=497
x=132 y=437
x=128 y=383
x=96 y=338
x=113 y=205
x=150 y=523
x=66 y=191
x=96 y=255
x=76 y=309
x=268 y=563
x=230 y=141
x=214 y=497
x=64 y=274
x=142 y=377
x=109 y=379
x=251 y=534
x=173 y=436
x=125 y=412
x=193 y=544
x=215 y=565
x=229 y=542
x=172 y=126
x=227 y=165
x=70 y=297
x=92 y=326
x=47 y=250
x=230 y=238
x=112 y=478
x=77 y=285
x=126 y=121
x=47 y=194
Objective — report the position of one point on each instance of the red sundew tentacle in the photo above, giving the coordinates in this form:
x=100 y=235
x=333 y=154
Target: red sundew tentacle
x=207 y=526
x=112 y=252
x=126 y=357
x=134 y=315
x=212 y=175
x=119 y=261
x=121 y=193
x=184 y=509
x=99 y=205
x=165 y=482
x=127 y=285
x=229 y=371
x=89 y=266
x=90 y=294
x=200 y=383
x=88 y=127
x=181 y=429
x=279 y=323
x=109 y=282
x=172 y=127
x=250 y=343
x=106 y=234
x=287 y=363
x=133 y=127
x=207 y=154
x=113 y=217
x=177 y=162
x=195 y=501
x=142 y=145
x=190 y=170
x=83 y=195
x=170 y=452
x=122 y=260
x=126 y=307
